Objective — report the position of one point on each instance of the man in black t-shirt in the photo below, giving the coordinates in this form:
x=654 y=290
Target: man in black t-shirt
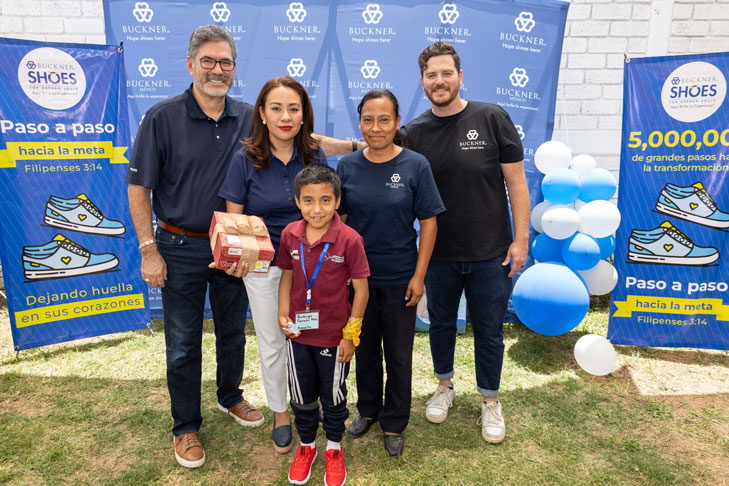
x=473 y=149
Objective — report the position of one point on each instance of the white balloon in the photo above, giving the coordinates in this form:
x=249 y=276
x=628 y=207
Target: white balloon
x=552 y=155
x=595 y=354
x=537 y=213
x=582 y=163
x=600 y=279
x=599 y=218
x=560 y=222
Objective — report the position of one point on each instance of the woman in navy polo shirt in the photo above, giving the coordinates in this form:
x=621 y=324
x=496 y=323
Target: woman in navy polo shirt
x=260 y=182
x=384 y=189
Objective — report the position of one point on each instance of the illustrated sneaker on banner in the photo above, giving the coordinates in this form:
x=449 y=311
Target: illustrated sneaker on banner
x=691 y=203
x=668 y=246
x=80 y=214
x=61 y=258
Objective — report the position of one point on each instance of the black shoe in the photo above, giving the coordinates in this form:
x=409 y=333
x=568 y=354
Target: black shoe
x=282 y=440
x=394 y=444
x=360 y=426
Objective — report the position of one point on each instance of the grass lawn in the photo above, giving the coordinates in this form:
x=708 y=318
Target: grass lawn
x=97 y=412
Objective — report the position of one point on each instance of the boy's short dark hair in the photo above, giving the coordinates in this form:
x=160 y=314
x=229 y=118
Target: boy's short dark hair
x=318 y=174
x=438 y=49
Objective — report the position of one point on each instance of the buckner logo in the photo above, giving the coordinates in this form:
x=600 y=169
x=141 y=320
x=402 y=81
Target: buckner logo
x=296 y=12
x=147 y=68
x=51 y=78
x=449 y=14
x=520 y=131
x=518 y=77
x=395 y=182
x=142 y=12
x=296 y=67
x=370 y=69
x=525 y=22
x=473 y=142
x=220 y=12
x=693 y=91
x=372 y=14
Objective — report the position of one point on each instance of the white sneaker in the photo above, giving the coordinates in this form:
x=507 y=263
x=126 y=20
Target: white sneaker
x=436 y=409
x=493 y=429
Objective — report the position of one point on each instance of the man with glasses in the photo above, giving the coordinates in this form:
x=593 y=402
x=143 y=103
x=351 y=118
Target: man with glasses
x=181 y=153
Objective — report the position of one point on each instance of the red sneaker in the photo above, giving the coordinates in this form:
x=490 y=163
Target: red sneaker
x=336 y=474
x=301 y=467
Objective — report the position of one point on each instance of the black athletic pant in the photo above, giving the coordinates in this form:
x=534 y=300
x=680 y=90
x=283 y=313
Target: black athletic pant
x=387 y=323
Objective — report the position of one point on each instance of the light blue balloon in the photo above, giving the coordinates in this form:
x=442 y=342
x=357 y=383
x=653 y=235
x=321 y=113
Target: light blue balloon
x=581 y=252
x=607 y=246
x=547 y=249
x=550 y=299
x=597 y=184
x=561 y=186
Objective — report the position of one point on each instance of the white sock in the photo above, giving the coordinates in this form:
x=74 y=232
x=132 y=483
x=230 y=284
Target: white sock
x=310 y=444
x=334 y=445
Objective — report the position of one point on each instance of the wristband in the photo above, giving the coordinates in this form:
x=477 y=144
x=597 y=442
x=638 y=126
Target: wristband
x=146 y=244
x=354 y=145
x=352 y=330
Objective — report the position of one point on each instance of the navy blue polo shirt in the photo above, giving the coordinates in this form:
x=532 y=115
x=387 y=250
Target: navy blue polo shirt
x=269 y=193
x=183 y=155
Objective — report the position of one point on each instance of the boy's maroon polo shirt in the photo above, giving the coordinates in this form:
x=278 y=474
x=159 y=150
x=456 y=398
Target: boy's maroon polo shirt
x=345 y=259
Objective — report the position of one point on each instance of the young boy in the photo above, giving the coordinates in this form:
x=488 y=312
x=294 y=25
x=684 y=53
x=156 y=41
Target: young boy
x=317 y=256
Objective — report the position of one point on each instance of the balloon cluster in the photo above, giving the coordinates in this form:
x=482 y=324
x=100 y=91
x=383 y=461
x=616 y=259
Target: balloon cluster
x=575 y=223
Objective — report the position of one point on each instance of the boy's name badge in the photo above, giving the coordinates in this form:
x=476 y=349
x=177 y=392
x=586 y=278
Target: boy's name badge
x=306 y=320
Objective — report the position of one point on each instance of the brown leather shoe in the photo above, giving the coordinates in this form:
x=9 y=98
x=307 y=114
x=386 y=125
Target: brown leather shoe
x=244 y=413
x=189 y=450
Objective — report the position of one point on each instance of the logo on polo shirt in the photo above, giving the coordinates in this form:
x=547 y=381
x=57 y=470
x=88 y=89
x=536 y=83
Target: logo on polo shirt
x=449 y=14
x=296 y=67
x=142 y=12
x=147 y=68
x=294 y=254
x=296 y=12
x=334 y=258
x=395 y=182
x=472 y=142
x=220 y=12
x=372 y=14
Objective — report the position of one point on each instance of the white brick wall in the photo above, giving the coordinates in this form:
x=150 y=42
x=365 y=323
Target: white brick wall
x=599 y=33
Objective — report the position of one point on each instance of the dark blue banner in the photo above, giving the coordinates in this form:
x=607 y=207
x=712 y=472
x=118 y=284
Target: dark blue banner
x=68 y=250
x=674 y=201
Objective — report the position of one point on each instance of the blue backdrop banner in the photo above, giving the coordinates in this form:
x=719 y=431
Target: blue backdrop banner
x=67 y=245
x=510 y=53
x=674 y=201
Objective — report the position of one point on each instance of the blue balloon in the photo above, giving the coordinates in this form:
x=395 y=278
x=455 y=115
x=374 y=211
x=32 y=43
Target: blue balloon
x=550 y=299
x=561 y=186
x=581 y=252
x=547 y=249
x=597 y=184
x=607 y=246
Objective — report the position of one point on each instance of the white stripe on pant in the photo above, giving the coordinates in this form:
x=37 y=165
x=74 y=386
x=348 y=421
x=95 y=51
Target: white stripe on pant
x=262 y=289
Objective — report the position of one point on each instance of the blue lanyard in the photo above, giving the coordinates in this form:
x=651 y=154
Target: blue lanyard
x=316 y=271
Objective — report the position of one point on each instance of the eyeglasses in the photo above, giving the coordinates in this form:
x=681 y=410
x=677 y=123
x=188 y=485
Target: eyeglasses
x=209 y=63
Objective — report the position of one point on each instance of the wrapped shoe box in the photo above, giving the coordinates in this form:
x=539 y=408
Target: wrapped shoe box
x=237 y=237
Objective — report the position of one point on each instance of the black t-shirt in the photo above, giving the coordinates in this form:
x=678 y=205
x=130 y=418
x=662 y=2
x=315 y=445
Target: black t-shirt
x=183 y=156
x=465 y=151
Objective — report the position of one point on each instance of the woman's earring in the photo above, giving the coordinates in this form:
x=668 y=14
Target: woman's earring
x=264 y=121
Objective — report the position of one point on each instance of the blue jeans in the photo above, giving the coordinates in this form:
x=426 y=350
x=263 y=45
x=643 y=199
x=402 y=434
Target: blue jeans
x=183 y=299
x=487 y=287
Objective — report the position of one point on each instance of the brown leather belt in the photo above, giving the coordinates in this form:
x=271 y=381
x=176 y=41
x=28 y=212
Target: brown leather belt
x=179 y=231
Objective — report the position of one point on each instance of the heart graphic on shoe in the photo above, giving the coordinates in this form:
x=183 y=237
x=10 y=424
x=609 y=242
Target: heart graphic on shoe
x=66 y=260
x=694 y=205
x=81 y=217
x=668 y=247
